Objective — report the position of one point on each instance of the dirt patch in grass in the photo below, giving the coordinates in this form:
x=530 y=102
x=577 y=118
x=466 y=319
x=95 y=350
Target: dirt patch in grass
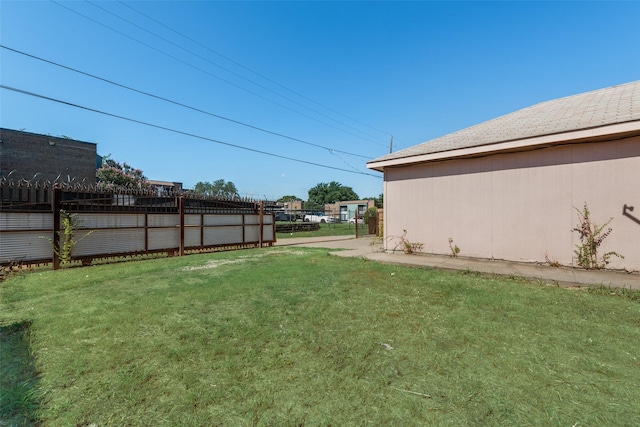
x=220 y=262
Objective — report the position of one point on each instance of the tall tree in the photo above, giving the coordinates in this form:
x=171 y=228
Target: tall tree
x=285 y=199
x=378 y=201
x=332 y=192
x=115 y=174
x=218 y=188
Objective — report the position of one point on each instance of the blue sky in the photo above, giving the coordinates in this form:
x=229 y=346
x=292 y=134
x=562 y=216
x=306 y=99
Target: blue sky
x=336 y=78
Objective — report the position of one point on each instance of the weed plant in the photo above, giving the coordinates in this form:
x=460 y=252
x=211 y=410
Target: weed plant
x=402 y=243
x=296 y=337
x=591 y=237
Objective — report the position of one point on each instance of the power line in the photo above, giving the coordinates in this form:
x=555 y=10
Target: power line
x=84 y=73
x=22 y=91
x=247 y=68
x=224 y=68
x=210 y=74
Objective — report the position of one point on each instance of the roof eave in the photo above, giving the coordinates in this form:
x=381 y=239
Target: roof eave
x=613 y=131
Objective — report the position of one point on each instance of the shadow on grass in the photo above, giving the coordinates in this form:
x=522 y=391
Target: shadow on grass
x=18 y=376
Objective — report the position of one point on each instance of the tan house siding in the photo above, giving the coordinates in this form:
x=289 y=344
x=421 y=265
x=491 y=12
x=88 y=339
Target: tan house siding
x=519 y=206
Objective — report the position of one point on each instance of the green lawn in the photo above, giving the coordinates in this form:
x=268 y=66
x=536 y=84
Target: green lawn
x=297 y=337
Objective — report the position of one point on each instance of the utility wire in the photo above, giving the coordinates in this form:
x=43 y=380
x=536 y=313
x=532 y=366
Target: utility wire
x=225 y=69
x=247 y=68
x=209 y=73
x=331 y=150
x=22 y=91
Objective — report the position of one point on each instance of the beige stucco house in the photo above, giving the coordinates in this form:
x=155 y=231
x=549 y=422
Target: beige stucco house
x=508 y=188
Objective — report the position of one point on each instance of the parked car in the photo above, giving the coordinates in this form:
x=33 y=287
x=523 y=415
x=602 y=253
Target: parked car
x=353 y=220
x=318 y=217
x=281 y=216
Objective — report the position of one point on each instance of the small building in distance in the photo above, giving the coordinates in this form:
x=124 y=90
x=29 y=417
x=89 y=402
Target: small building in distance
x=344 y=211
x=165 y=187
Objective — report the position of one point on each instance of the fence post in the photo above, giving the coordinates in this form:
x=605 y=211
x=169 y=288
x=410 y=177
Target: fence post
x=146 y=232
x=56 y=207
x=356 y=221
x=261 y=222
x=181 y=209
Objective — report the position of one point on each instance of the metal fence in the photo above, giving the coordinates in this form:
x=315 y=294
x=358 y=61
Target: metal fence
x=115 y=223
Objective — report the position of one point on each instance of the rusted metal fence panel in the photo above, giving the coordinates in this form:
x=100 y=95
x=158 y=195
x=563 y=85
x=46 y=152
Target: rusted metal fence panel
x=97 y=220
x=25 y=236
x=192 y=238
x=160 y=220
x=252 y=233
x=109 y=242
x=26 y=221
x=163 y=238
x=268 y=229
x=112 y=223
x=25 y=247
x=213 y=220
x=222 y=235
x=192 y=220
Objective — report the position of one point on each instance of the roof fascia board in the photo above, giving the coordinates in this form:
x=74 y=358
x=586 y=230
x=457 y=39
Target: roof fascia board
x=516 y=145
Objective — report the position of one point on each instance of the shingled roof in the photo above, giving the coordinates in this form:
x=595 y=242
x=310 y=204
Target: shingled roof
x=609 y=106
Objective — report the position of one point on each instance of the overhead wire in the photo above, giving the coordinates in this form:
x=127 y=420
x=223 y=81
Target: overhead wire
x=180 y=104
x=176 y=131
x=225 y=68
x=247 y=68
x=209 y=73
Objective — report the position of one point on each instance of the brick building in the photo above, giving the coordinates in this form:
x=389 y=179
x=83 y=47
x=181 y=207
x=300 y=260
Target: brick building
x=25 y=155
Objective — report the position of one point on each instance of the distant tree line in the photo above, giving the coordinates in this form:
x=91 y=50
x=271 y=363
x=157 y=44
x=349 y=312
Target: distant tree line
x=116 y=174
x=217 y=188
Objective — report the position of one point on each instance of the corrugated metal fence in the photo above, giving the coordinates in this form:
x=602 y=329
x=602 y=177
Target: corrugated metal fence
x=123 y=223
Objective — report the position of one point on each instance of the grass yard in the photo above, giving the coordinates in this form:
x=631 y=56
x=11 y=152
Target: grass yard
x=297 y=337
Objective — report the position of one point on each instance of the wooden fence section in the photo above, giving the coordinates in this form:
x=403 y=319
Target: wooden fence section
x=114 y=224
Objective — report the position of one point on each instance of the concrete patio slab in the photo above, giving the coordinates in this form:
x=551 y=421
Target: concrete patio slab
x=370 y=248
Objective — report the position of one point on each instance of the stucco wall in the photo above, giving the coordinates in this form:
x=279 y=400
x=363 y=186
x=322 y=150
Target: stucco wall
x=519 y=206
